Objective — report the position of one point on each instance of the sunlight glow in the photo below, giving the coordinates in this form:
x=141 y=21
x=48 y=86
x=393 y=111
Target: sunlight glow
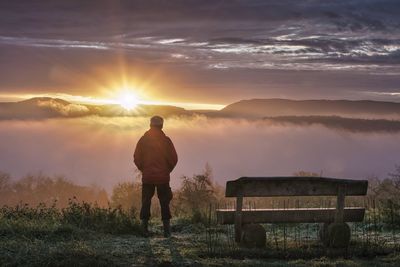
x=127 y=99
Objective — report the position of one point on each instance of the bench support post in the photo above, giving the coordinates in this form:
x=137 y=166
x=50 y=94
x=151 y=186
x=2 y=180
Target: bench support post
x=340 y=204
x=238 y=218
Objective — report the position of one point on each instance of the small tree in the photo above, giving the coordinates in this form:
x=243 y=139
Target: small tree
x=395 y=176
x=386 y=194
x=196 y=195
x=127 y=196
x=5 y=187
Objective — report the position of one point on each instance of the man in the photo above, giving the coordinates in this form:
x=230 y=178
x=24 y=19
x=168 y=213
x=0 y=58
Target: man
x=155 y=157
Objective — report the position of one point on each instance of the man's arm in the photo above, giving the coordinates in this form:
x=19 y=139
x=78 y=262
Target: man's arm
x=138 y=155
x=172 y=155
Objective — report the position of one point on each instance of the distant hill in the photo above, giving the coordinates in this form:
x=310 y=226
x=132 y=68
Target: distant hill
x=35 y=108
x=46 y=107
x=259 y=108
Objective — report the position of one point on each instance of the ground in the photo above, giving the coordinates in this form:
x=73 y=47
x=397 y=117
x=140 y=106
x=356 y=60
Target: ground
x=188 y=246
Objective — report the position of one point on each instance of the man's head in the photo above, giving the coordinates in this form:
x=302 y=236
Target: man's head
x=156 y=122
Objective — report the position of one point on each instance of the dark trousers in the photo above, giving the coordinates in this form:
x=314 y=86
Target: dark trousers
x=164 y=195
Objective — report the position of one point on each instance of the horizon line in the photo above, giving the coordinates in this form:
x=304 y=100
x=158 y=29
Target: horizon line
x=88 y=100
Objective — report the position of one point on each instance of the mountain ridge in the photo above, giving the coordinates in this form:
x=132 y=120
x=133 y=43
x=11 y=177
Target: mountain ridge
x=258 y=108
x=48 y=107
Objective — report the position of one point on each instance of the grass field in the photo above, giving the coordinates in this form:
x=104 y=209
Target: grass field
x=84 y=235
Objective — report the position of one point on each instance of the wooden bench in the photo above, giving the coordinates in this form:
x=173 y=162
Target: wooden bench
x=295 y=186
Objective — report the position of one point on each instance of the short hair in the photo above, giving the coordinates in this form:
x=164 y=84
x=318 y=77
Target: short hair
x=156 y=121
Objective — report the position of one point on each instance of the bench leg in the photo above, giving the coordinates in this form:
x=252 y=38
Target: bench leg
x=335 y=235
x=238 y=219
x=253 y=236
x=340 y=204
x=323 y=233
x=338 y=235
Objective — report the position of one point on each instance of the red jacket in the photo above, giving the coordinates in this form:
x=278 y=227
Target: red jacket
x=155 y=157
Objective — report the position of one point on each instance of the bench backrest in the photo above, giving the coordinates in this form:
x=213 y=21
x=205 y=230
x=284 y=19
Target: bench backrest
x=294 y=186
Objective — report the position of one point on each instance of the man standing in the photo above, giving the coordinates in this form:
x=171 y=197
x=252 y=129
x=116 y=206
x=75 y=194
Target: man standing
x=155 y=157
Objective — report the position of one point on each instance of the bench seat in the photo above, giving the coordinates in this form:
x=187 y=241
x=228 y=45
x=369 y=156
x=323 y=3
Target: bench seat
x=301 y=215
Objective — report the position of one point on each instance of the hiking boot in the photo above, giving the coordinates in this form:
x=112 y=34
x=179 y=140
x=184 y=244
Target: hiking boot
x=145 y=227
x=167 y=228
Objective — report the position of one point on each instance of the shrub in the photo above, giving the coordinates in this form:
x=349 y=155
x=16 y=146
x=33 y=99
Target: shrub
x=106 y=220
x=127 y=196
x=196 y=195
x=80 y=215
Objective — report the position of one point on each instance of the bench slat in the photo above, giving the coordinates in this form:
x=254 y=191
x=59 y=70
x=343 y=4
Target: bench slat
x=293 y=186
x=317 y=215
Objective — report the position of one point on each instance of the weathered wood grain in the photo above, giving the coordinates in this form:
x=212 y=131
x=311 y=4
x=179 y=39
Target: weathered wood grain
x=316 y=215
x=293 y=186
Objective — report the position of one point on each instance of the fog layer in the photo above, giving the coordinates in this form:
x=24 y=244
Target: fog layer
x=95 y=150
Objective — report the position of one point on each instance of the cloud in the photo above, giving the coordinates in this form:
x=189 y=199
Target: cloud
x=64 y=109
x=288 y=34
x=338 y=123
x=396 y=94
x=229 y=49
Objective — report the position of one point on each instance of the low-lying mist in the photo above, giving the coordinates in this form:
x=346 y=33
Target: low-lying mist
x=98 y=150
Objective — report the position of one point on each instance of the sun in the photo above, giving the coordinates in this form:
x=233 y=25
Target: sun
x=127 y=99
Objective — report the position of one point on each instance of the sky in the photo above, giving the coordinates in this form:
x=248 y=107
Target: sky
x=197 y=54
x=209 y=52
